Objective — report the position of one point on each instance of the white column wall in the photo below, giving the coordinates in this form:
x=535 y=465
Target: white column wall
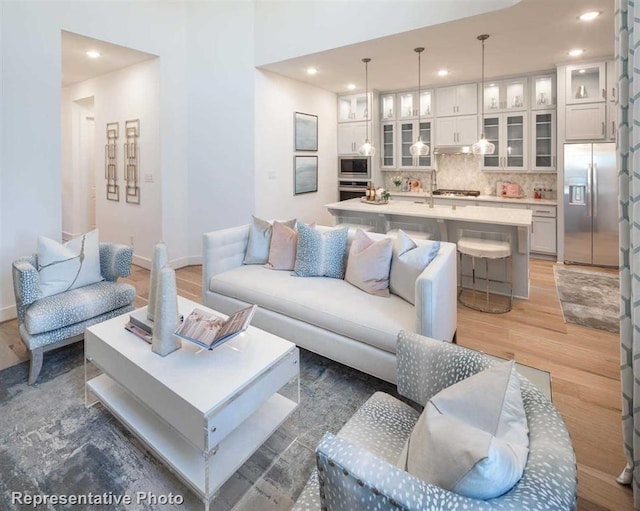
x=277 y=98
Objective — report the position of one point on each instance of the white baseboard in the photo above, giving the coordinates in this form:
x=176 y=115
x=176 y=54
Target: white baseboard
x=142 y=262
x=181 y=262
x=7 y=313
x=66 y=236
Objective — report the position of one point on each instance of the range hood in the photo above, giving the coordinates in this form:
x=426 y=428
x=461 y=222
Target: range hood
x=452 y=149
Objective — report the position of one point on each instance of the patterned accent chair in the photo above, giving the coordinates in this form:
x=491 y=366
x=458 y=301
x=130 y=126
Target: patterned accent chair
x=356 y=470
x=55 y=321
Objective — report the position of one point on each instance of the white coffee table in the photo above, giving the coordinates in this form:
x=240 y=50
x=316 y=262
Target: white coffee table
x=203 y=413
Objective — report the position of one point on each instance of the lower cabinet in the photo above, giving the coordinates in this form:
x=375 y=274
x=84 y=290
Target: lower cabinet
x=543 y=230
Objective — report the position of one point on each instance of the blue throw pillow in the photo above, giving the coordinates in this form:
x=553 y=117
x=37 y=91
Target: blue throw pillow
x=321 y=254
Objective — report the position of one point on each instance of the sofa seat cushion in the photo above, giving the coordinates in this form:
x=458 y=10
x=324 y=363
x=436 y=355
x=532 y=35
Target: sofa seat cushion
x=328 y=303
x=77 y=305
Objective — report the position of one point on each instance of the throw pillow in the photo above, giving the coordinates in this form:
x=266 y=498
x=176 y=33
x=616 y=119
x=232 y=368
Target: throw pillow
x=408 y=262
x=321 y=254
x=472 y=438
x=368 y=264
x=257 y=251
x=70 y=265
x=282 y=251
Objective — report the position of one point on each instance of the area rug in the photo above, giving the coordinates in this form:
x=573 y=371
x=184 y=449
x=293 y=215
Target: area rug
x=50 y=444
x=589 y=298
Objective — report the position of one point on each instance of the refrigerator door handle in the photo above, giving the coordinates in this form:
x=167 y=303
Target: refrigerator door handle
x=589 y=190
x=595 y=190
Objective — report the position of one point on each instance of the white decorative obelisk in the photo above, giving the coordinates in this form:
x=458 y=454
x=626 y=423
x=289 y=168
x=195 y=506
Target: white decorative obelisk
x=160 y=258
x=166 y=314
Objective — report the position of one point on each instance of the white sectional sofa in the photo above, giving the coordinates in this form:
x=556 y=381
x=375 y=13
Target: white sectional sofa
x=330 y=316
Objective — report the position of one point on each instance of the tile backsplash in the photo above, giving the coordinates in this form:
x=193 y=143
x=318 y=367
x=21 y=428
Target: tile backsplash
x=462 y=171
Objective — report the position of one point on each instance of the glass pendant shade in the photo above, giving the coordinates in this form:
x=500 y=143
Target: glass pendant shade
x=367 y=149
x=419 y=148
x=483 y=146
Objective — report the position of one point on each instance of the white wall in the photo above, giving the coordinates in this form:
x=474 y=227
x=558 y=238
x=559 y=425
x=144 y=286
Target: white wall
x=130 y=93
x=277 y=98
x=287 y=29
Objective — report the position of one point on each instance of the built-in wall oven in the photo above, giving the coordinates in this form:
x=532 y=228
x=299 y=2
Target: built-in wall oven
x=354 y=167
x=352 y=189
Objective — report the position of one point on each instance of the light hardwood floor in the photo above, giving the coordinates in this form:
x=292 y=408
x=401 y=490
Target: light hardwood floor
x=583 y=362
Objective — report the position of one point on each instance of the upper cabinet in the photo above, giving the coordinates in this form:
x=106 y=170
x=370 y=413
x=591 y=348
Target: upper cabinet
x=354 y=107
x=508 y=132
x=586 y=83
x=456 y=130
x=409 y=105
x=612 y=97
x=388 y=107
x=457 y=100
x=505 y=95
x=543 y=92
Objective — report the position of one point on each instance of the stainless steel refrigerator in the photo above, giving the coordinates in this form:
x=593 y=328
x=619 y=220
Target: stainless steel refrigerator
x=591 y=204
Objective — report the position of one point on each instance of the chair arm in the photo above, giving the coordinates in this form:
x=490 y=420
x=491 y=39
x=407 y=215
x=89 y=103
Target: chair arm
x=436 y=295
x=223 y=250
x=115 y=260
x=426 y=366
x=354 y=479
x=26 y=284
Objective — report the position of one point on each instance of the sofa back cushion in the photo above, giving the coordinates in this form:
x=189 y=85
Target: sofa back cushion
x=70 y=265
x=472 y=437
x=368 y=264
x=321 y=253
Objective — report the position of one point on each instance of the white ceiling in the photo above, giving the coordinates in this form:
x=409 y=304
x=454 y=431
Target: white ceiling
x=77 y=67
x=533 y=35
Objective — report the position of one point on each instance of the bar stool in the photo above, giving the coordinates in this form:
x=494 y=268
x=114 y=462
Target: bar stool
x=486 y=250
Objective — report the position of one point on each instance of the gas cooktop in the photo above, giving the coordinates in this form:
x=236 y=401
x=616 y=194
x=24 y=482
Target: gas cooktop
x=456 y=193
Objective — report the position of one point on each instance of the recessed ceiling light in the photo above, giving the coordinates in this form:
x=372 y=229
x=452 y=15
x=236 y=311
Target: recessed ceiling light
x=443 y=72
x=575 y=53
x=589 y=16
x=351 y=86
x=92 y=54
x=312 y=71
x=492 y=85
x=582 y=71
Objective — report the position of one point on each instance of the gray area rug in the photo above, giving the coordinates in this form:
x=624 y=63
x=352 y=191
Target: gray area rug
x=589 y=298
x=51 y=444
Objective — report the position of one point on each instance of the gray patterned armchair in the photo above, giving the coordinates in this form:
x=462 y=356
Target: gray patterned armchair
x=55 y=321
x=356 y=469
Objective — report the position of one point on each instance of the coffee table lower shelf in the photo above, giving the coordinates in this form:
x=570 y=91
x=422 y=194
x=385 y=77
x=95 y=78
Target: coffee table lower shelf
x=186 y=460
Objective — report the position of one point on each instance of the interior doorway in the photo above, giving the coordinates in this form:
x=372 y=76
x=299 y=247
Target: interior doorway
x=83 y=151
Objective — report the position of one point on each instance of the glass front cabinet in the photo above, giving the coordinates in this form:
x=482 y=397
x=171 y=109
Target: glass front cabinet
x=505 y=95
x=543 y=140
x=543 y=92
x=509 y=134
x=408 y=104
x=354 y=107
x=388 y=145
x=388 y=107
x=586 y=83
x=407 y=135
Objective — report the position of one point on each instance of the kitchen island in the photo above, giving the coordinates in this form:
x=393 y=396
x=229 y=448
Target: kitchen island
x=449 y=223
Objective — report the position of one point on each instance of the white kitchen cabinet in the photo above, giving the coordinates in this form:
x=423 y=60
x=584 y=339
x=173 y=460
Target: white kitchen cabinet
x=543 y=92
x=388 y=145
x=508 y=132
x=407 y=135
x=354 y=107
x=543 y=140
x=543 y=235
x=586 y=83
x=586 y=122
x=457 y=100
x=409 y=103
x=505 y=95
x=612 y=97
x=388 y=107
x=351 y=136
x=457 y=130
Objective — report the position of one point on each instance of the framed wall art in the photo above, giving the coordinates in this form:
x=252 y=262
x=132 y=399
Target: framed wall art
x=306 y=132
x=305 y=174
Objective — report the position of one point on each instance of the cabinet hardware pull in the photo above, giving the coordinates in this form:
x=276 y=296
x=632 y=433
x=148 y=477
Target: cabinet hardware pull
x=603 y=128
x=613 y=128
x=604 y=93
x=613 y=93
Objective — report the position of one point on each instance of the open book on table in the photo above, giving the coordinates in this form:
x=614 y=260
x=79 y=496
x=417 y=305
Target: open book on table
x=209 y=330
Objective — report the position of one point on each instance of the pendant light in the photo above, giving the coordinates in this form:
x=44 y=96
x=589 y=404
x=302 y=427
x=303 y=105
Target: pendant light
x=419 y=148
x=366 y=149
x=483 y=146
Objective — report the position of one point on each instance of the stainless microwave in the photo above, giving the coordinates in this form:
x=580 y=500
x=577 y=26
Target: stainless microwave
x=354 y=167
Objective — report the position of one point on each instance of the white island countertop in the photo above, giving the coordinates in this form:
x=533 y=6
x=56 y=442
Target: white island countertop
x=486 y=215
x=480 y=198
